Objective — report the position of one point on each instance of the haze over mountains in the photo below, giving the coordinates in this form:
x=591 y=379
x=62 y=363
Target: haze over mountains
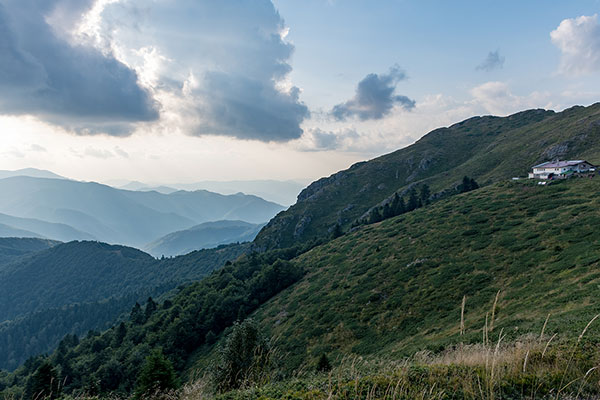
x=203 y=236
x=281 y=192
x=68 y=210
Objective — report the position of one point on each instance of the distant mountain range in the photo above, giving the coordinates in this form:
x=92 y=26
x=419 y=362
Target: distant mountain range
x=281 y=192
x=32 y=172
x=67 y=210
x=203 y=236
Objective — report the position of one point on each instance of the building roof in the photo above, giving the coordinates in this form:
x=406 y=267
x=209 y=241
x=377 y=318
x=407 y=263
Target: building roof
x=560 y=164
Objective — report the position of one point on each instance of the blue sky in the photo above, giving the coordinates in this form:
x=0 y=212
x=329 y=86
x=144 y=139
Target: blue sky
x=187 y=90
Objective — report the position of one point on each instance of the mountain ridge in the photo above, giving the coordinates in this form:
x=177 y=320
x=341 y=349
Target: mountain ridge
x=486 y=148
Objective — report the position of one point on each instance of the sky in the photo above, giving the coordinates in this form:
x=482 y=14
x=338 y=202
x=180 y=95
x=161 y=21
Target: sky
x=175 y=91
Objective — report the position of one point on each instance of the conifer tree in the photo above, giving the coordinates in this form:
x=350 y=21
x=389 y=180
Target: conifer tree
x=323 y=365
x=374 y=216
x=157 y=375
x=425 y=193
x=137 y=316
x=336 y=232
x=44 y=383
x=151 y=306
x=387 y=211
x=413 y=200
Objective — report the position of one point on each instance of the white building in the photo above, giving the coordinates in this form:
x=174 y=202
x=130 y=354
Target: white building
x=560 y=169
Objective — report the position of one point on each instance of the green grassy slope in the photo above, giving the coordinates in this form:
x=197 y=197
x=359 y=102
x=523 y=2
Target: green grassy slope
x=486 y=148
x=396 y=287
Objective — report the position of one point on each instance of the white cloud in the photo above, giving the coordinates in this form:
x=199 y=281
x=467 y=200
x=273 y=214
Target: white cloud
x=98 y=153
x=496 y=98
x=579 y=42
x=38 y=148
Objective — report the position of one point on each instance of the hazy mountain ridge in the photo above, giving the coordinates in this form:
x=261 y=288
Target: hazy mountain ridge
x=31 y=172
x=39 y=228
x=203 y=236
x=281 y=192
x=98 y=211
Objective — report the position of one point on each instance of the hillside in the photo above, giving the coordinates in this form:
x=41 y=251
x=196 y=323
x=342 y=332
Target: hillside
x=91 y=210
x=396 y=287
x=203 y=236
x=486 y=148
x=389 y=289
x=74 y=287
x=13 y=248
x=90 y=271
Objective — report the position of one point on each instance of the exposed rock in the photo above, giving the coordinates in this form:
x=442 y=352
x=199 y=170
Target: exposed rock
x=302 y=225
x=315 y=189
x=556 y=151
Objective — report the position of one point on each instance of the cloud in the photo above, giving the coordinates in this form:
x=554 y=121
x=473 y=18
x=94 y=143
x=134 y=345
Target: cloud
x=38 y=148
x=374 y=98
x=321 y=140
x=217 y=67
x=493 y=61
x=120 y=152
x=45 y=74
x=578 y=39
x=496 y=98
x=98 y=153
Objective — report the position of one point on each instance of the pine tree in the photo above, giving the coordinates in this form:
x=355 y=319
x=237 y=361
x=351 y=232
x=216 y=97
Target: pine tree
x=157 y=375
x=151 y=306
x=374 y=215
x=400 y=207
x=425 y=193
x=474 y=185
x=323 y=364
x=336 y=232
x=387 y=211
x=137 y=316
x=44 y=383
x=119 y=334
x=413 y=200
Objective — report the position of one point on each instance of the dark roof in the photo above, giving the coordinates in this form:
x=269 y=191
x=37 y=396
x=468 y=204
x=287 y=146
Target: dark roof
x=560 y=164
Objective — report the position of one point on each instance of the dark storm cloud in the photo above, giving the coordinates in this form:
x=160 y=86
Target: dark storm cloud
x=238 y=55
x=493 y=61
x=71 y=85
x=247 y=108
x=375 y=97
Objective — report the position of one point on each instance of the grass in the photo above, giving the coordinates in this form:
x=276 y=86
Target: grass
x=530 y=367
x=517 y=251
